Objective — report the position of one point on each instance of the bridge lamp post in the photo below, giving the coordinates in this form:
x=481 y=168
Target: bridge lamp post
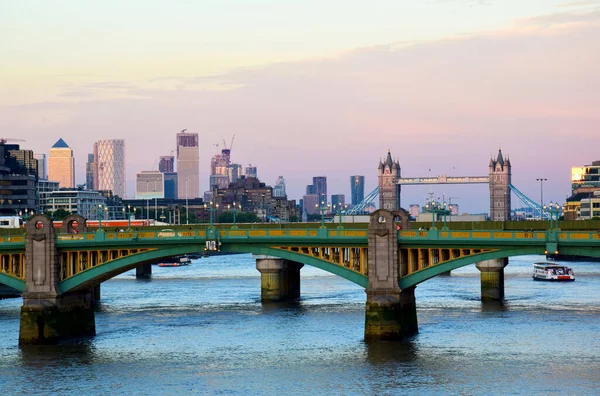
x=100 y=212
x=542 y=180
x=128 y=213
x=211 y=209
x=445 y=213
x=187 y=207
x=430 y=206
x=234 y=210
x=322 y=209
x=554 y=209
x=340 y=208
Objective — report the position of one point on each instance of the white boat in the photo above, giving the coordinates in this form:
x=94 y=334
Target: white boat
x=552 y=272
x=176 y=262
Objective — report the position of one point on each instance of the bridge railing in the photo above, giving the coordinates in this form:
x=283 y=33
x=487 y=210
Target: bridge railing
x=498 y=236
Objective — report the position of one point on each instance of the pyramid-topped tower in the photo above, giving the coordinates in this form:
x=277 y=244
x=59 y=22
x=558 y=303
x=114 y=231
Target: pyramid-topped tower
x=61 y=164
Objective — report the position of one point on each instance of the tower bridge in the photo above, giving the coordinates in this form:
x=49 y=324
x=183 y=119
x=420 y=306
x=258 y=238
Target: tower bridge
x=499 y=180
x=59 y=272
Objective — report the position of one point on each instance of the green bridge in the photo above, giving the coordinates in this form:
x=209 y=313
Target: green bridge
x=59 y=273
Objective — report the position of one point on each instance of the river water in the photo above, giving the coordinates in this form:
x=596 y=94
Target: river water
x=202 y=329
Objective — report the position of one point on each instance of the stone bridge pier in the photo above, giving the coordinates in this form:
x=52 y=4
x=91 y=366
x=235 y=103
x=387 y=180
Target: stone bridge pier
x=279 y=278
x=48 y=316
x=492 y=279
x=391 y=312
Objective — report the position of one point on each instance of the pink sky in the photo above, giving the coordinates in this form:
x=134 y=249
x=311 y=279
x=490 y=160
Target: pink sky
x=444 y=104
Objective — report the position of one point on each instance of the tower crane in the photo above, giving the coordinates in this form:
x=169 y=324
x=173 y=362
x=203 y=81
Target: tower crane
x=230 y=145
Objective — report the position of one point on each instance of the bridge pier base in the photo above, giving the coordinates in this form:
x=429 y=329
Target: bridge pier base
x=391 y=312
x=47 y=315
x=492 y=279
x=47 y=320
x=143 y=271
x=279 y=278
x=96 y=294
x=391 y=315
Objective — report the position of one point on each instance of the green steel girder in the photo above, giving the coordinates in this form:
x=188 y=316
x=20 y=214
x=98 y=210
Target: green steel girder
x=435 y=270
x=95 y=275
x=100 y=273
x=13 y=282
x=335 y=269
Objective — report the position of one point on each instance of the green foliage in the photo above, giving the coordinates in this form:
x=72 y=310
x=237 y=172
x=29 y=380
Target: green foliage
x=240 y=217
x=60 y=214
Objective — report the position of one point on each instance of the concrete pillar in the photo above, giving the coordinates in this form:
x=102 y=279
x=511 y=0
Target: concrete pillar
x=492 y=279
x=279 y=278
x=143 y=271
x=391 y=313
x=96 y=293
x=48 y=316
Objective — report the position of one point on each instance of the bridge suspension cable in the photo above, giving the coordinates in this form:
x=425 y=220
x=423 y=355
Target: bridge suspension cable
x=360 y=207
x=537 y=208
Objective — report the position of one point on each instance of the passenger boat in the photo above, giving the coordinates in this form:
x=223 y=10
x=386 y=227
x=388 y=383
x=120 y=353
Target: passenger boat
x=552 y=272
x=176 y=262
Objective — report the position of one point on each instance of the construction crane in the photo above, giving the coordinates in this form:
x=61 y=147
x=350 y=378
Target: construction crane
x=230 y=145
x=4 y=140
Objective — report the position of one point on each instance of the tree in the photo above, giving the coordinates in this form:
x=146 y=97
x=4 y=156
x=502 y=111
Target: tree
x=59 y=214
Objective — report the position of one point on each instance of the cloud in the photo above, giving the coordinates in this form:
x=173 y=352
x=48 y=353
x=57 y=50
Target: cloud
x=562 y=18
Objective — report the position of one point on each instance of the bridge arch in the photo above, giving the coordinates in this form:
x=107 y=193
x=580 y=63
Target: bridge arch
x=11 y=281
x=433 y=271
x=98 y=274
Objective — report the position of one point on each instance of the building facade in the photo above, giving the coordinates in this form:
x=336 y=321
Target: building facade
x=109 y=166
x=311 y=203
x=61 y=164
x=388 y=173
x=357 y=189
x=89 y=204
x=585 y=178
x=149 y=185
x=44 y=187
x=188 y=169
x=166 y=163
x=320 y=188
x=251 y=171
x=500 y=180
x=279 y=189
x=41 y=165
x=89 y=172
x=170 y=185
x=338 y=200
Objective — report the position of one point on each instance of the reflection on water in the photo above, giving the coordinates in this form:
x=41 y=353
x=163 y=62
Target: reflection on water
x=202 y=329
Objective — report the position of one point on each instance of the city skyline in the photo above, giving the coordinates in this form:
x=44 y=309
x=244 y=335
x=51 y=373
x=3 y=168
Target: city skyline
x=442 y=96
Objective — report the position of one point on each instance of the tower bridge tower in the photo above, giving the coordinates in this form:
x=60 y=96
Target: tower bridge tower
x=500 y=179
x=389 y=190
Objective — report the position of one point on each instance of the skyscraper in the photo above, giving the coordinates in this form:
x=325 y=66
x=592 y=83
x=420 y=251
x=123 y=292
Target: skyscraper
x=166 y=163
x=320 y=186
x=251 y=171
x=188 y=185
x=357 y=189
x=89 y=172
x=109 y=166
x=41 y=164
x=338 y=200
x=279 y=189
x=61 y=164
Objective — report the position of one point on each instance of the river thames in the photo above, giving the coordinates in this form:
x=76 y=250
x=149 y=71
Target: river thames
x=202 y=329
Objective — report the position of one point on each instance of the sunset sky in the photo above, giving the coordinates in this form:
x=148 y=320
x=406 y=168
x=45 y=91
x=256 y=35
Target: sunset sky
x=313 y=88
